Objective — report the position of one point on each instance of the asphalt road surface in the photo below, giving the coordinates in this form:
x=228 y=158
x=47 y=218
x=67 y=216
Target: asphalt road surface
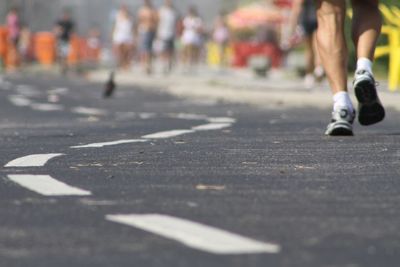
x=147 y=179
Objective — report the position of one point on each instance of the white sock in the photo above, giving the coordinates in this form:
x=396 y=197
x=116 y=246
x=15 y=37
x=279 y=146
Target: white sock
x=342 y=99
x=364 y=64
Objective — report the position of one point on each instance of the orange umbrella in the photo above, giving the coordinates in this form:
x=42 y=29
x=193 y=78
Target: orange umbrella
x=254 y=15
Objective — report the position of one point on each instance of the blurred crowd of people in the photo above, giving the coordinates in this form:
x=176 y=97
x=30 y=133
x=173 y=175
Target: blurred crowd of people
x=151 y=32
x=138 y=36
x=20 y=42
x=162 y=33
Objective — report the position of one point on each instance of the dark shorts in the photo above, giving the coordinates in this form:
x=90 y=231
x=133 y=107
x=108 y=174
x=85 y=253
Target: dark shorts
x=147 y=41
x=15 y=41
x=168 y=45
x=310 y=27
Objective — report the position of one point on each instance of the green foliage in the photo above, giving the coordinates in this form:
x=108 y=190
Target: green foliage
x=391 y=2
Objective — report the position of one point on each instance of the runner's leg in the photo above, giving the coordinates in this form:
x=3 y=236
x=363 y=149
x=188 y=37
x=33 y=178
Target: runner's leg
x=334 y=55
x=332 y=42
x=309 y=80
x=367 y=23
x=310 y=56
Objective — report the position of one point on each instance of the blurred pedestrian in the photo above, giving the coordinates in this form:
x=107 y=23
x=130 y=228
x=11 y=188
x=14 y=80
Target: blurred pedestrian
x=147 y=28
x=64 y=29
x=14 y=32
x=167 y=27
x=304 y=13
x=192 y=37
x=221 y=37
x=25 y=44
x=123 y=37
x=93 y=43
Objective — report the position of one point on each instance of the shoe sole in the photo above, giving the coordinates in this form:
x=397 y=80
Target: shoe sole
x=340 y=129
x=370 y=109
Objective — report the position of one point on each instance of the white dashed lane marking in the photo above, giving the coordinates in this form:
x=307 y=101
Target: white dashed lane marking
x=89 y=111
x=47 y=107
x=195 y=235
x=47 y=186
x=189 y=116
x=36 y=160
x=212 y=126
x=167 y=134
x=222 y=120
x=19 y=101
x=215 y=124
x=114 y=143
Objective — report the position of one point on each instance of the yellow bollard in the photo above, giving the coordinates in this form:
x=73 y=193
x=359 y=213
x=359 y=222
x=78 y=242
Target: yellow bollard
x=214 y=56
x=392 y=30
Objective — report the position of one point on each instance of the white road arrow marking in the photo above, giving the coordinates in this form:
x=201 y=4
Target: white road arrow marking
x=37 y=160
x=195 y=235
x=47 y=186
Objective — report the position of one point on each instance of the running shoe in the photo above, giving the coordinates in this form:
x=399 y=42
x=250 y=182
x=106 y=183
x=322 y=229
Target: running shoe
x=370 y=109
x=342 y=122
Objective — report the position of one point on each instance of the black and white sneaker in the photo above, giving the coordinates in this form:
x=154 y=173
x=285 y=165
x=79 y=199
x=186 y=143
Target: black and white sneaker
x=370 y=108
x=342 y=122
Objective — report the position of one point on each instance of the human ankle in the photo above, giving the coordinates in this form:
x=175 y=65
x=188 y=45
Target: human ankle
x=364 y=64
x=342 y=99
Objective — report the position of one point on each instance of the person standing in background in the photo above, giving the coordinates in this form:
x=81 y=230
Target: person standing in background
x=123 y=37
x=221 y=36
x=14 y=32
x=147 y=28
x=24 y=45
x=167 y=26
x=192 y=37
x=94 y=46
x=64 y=29
x=305 y=14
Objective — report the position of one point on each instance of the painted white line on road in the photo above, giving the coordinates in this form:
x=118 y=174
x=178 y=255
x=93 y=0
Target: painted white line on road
x=215 y=124
x=37 y=160
x=89 y=111
x=113 y=143
x=147 y=115
x=47 y=186
x=195 y=235
x=167 y=134
x=46 y=107
x=212 y=127
x=188 y=116
x=19 y=101
x=222 y=120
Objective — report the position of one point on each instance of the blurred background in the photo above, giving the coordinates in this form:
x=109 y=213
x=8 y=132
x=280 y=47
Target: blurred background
x=41 y=14
x=255 y=34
